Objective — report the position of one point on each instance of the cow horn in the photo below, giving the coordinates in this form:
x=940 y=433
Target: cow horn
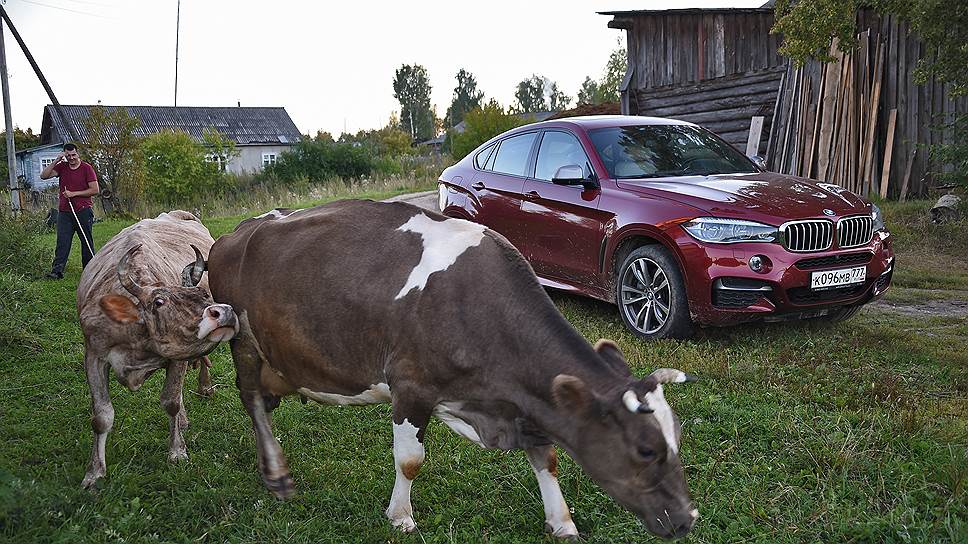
x=671 y=375
x=124 y=274
x=634 y=405
x=192 y=273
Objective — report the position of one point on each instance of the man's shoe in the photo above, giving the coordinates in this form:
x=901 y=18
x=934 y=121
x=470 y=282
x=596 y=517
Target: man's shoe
x=54 y=276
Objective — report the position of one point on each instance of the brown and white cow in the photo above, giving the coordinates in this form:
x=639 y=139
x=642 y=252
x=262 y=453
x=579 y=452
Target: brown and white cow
x=140 y=311
x=358 y=302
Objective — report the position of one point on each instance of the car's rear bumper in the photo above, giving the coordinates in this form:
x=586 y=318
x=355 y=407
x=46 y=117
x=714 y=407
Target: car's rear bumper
x=724 y=290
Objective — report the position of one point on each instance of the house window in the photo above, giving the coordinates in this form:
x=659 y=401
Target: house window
x=219 y=160
x=46 y=161
x=268 y=158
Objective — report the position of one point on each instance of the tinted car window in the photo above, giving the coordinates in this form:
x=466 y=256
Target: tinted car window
x=558 y=149
x=481 y=158
x=655 y=151
x=512 y=156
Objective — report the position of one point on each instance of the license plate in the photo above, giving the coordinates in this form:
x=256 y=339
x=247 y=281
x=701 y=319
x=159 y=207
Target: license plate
x=836 y=278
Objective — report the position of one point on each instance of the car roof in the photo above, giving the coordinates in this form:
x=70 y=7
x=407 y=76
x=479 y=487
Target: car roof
x=607 y=121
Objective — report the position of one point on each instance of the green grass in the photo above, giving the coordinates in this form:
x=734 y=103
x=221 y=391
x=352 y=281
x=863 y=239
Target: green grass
x=797 y=433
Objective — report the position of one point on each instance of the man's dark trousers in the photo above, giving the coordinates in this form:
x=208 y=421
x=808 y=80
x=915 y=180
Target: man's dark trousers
x=66 y=227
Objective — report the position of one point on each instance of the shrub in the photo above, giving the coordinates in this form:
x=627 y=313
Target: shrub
x=21 y=250
x=319 y=161
x=177 y=168
x=482 y=124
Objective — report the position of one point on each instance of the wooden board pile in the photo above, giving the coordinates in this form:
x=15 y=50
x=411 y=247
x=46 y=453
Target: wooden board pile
x=829 y=129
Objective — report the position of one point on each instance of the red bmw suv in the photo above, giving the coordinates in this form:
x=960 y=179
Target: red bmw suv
x=671 y=224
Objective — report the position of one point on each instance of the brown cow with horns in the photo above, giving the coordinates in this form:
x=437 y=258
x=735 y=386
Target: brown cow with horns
x=140 y=312
x=358 y=302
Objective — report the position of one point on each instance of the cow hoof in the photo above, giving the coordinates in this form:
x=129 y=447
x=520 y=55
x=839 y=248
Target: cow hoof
x=178 y=455
x=90 y=480
x=207 y=392
x=566 y=532
x=282 y=487
x=404 y=525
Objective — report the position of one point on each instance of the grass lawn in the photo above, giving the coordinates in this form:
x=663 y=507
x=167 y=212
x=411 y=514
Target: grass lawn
x=797 y=433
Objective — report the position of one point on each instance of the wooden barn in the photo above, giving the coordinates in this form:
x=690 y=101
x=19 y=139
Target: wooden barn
x=720 y=68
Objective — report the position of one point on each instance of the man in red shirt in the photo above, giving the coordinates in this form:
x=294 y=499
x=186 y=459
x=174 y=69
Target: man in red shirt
x=78 y=183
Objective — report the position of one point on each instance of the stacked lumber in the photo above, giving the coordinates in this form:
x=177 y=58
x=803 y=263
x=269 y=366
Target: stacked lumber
x=829 y=128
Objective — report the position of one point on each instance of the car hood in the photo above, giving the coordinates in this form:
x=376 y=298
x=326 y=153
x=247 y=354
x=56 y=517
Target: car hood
x=765 y=196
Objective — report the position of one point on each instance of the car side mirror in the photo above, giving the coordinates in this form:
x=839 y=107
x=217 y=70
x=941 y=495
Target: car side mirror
x=759 y=161
x=573 y=174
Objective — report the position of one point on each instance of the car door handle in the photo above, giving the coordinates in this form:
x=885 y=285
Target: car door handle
x=479 y=186
x=532 y=195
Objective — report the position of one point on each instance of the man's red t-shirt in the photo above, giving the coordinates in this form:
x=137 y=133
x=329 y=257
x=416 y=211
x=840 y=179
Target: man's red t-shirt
x=77 y=179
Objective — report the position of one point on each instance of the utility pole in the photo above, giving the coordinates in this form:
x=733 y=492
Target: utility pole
x=71 y=129
x=8 y=121
x=177 y=31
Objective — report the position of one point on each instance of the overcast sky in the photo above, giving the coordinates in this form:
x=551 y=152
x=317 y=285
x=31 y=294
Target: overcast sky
x=330 y=64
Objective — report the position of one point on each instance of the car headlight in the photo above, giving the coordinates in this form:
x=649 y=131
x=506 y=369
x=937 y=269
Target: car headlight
x=877 y=217
x=727 y=231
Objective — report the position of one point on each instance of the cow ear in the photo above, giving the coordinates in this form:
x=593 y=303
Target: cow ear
x=612 y=355
x=119 y=308
x=570 y=393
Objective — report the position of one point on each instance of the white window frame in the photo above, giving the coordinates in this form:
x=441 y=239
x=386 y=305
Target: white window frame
x=220 y=160
x=269 y=158
x=46 y=161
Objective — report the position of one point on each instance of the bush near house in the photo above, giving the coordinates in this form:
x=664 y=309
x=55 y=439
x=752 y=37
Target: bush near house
x=177 y=169
x=482 y=124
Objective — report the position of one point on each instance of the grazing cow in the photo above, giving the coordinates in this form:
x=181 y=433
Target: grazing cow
x=140 y=311
x=358 y=302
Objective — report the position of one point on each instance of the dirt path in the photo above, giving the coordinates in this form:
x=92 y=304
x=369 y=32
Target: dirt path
x=935 y=303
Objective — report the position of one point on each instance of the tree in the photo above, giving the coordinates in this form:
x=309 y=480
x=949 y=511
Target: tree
x=21 y=140
x=176 y=167
x=557 y=100
x=219 y=147
x=482 y=124
x=114 y=150
x=530 y=95
x=466 y=98
x=606 y=88
x=588 y=93
x=613 y=75
x=411 y=87
x=808 y=26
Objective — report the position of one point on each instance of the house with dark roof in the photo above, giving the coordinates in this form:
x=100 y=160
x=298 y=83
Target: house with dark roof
x=260 y=134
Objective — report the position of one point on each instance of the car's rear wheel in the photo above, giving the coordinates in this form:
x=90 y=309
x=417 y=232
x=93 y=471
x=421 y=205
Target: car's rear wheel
x=651 y=295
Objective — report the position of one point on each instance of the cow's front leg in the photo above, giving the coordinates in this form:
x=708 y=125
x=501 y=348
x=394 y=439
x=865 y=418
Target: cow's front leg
x=558 y=521
x=409 y=426
x=205 y=387
x=173 y=404
x=248 y=366
x=102 y=417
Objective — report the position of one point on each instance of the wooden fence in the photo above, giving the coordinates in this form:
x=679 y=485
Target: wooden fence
x=861 y=121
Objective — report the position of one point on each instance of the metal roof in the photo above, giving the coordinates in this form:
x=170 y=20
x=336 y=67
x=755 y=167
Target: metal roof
x=245 y=126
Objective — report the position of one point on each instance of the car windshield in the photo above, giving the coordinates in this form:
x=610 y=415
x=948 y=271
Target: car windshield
x=657 y=151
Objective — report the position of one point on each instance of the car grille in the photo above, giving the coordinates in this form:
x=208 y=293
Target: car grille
x=883 y=281
x=854 y=231
x=735 y=299
x=810 y=235
x=729 y=292
x=805 y=295
x=834 y=260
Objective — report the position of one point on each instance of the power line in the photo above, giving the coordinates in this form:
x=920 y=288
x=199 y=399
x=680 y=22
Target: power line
x=67 y=9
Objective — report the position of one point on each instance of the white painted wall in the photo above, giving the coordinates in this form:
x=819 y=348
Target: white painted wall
x=250 y=157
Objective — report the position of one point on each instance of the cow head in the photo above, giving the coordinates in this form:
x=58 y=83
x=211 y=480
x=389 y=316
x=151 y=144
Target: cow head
x=182 y=322
x=627 y=440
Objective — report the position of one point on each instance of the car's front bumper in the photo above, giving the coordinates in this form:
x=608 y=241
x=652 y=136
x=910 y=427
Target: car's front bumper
x=724 y=290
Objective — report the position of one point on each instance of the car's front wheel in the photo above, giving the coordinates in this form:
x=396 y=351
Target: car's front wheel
x=651 y=295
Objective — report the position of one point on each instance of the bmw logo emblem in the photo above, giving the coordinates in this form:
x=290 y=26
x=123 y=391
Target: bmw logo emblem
x=828 y=212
